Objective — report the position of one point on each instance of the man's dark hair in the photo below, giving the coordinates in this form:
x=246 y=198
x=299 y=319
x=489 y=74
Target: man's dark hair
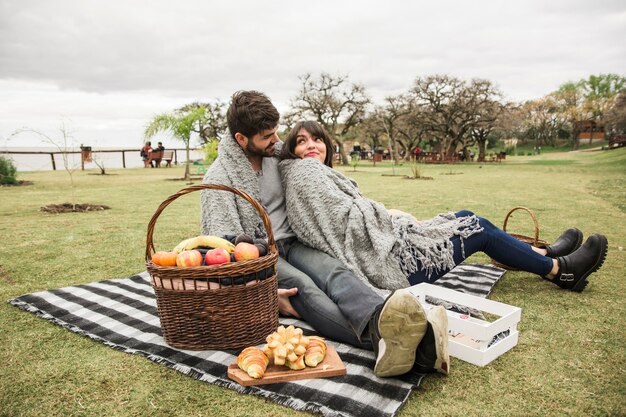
x=251 y=112
x=317 y=131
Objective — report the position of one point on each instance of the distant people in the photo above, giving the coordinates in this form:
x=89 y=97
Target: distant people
x=145 y=154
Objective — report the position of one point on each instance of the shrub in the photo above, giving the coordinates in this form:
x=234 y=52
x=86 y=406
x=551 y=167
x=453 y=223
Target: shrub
x=210 y=151
x=8 y=171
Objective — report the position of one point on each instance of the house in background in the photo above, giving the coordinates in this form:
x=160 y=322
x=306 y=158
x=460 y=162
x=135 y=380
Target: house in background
x=590 y=131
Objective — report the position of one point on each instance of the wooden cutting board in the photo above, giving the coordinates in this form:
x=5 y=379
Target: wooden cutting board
x=330 y=366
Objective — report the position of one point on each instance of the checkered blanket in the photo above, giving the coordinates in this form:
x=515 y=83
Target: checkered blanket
x=122 y=314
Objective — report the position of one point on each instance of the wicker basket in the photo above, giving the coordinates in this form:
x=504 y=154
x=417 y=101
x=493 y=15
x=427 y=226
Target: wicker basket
x=534 y=241
x=227 y=306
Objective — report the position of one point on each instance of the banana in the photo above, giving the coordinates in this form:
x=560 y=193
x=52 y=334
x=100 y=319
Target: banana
x=204 y=241
x=181 y=246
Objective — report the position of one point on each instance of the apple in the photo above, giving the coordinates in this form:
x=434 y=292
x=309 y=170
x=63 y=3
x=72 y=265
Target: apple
x=244 y=251
x=189 y=258
x=217 y=256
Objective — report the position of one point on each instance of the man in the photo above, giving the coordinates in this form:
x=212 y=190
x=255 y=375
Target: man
x=312 y=285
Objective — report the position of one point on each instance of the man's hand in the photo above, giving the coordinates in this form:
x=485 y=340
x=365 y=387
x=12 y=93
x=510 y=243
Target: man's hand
x=284 y=305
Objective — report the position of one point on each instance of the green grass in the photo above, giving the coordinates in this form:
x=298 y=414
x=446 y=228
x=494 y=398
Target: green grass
x=570 y=359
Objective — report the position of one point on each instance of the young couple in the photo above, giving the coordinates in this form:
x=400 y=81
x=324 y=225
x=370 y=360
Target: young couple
x=334 y=244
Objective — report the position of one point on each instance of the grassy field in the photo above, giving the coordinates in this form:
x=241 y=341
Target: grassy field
x=570 y=359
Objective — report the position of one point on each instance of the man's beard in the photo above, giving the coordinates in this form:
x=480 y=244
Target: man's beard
x=254 y=151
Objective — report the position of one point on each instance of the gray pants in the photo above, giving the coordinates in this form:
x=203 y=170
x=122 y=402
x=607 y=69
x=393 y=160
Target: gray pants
x=330 y=297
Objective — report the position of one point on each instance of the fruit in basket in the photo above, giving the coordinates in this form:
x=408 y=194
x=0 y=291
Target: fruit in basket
x=204 y=241
x=244 y=238
x=245 y=251
x=253 y=361
x=164 y=258
x=217 y=256
x=189 y=258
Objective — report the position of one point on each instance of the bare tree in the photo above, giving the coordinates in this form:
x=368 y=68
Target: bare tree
x=65 y=144
x=389 y=115
x=453 y=107
x=335 y=103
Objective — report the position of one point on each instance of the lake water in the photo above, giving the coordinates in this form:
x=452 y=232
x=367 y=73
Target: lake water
x=43 y=162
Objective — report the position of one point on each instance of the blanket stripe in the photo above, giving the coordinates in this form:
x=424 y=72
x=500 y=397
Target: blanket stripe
x=122 y=313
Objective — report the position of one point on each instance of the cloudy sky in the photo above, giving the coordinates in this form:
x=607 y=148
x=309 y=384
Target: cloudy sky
x=104 y=68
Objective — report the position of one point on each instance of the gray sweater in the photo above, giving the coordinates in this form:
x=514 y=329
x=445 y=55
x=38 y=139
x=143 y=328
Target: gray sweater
x=327 y=212
x=223 y=212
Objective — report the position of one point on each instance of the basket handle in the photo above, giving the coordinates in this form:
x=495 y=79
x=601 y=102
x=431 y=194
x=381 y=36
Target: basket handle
x=532 y=215
x=259 y=208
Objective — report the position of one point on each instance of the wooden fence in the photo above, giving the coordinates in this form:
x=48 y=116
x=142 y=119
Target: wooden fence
x=86 y=155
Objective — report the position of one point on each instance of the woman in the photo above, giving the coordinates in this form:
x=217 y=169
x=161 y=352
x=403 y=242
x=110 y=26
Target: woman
x=391 y=249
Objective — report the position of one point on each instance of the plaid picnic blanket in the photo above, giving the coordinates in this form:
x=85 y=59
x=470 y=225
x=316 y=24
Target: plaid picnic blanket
x=122 y=314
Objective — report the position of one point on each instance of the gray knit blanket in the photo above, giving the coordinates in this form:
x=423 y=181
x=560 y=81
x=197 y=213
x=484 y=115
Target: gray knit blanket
x=122 y=314
x=327 y=211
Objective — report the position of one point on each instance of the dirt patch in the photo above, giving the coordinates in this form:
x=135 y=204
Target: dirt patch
x=406 y=177
x=73 y=208
x=17 y=184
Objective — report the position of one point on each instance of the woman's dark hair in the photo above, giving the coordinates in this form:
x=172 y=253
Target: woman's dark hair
x=317 y=131
x=250 y=112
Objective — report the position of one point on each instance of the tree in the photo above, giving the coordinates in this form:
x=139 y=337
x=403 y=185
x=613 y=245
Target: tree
x=389 y=115
x=572 y=103
x=600 y=94
x=65 y=144
x=615 y=118
x=332 y=101
x=453 y=107
x=543 y=120
x=486 y=121
x=213 y=125
x=181 y=123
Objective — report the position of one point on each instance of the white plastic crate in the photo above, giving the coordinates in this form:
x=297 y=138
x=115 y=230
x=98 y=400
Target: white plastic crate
x=469 y=337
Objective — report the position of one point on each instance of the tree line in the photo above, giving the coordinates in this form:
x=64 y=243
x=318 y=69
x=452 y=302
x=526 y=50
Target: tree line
x=445 y=113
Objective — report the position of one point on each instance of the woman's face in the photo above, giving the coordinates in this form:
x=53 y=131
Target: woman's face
x=308 y=146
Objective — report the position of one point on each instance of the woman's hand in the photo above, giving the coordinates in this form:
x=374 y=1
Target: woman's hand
x=284 y=305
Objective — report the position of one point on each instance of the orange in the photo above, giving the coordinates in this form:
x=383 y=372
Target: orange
x=164 y=258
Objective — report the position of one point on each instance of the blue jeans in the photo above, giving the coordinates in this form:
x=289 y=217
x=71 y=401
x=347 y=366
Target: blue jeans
x=496 y=243
x=330 y=297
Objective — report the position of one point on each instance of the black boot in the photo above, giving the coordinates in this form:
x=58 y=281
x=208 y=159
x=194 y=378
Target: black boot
x=577 y=266
x=396 y=328
x=567 y=243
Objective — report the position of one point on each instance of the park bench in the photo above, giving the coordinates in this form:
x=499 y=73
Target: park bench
x=167 y=157
x=158 y=156
x=154 y=156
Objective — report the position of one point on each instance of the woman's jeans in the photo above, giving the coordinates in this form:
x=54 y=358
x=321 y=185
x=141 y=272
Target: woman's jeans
x=330 y=297
x=496 y=243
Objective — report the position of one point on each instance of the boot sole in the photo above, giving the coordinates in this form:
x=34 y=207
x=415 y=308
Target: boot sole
x=582 y=282
x=438 y=318
x=402 y=325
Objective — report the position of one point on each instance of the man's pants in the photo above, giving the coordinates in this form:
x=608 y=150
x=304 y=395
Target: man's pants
x=333 y=300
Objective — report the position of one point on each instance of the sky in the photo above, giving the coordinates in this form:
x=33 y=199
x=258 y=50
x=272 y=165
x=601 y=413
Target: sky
x=103 y=69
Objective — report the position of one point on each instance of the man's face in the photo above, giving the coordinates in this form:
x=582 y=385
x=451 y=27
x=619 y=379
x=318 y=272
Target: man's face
x=263 y=143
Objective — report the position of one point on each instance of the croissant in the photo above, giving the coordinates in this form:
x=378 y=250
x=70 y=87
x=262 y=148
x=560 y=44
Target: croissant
x=253 y=361
x=315 y=351
x=286 y=345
